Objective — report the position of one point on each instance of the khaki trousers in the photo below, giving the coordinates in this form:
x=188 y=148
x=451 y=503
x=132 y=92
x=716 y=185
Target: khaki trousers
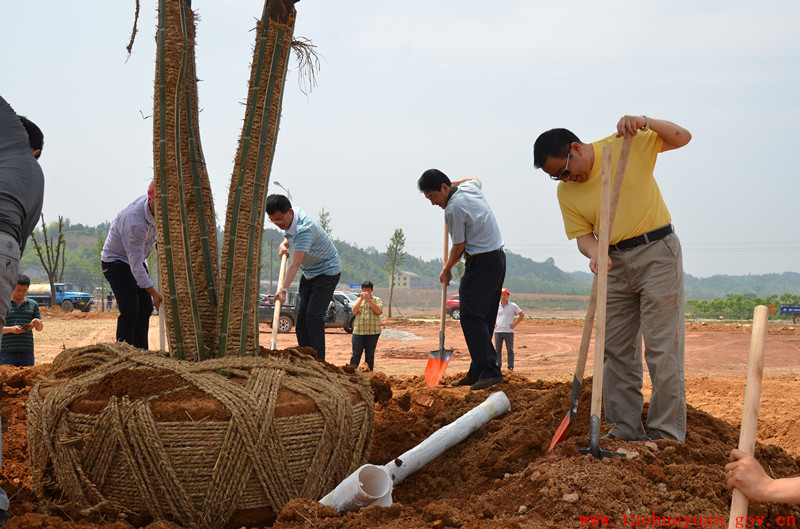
x=645 y=289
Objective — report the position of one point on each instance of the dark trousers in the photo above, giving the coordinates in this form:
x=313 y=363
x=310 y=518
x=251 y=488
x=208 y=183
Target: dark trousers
x=365 y=343
x=479 y=296
x=134 y=303
x=314 y=296
x=17 y=359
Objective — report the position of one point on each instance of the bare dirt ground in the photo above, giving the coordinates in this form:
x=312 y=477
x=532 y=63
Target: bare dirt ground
x=502 y=476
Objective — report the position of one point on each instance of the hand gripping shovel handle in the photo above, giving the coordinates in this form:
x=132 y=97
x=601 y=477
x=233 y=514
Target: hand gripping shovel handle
x=752 y=396
x=276 y=313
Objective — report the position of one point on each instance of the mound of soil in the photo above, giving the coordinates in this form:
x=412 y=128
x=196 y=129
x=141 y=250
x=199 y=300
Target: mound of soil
x=500 y=477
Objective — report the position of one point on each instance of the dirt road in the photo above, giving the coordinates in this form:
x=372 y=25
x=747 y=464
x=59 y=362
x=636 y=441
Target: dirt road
x=544 y=348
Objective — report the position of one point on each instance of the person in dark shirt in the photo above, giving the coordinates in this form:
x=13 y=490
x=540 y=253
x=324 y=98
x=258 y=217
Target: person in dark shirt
x=21 y=197
x=23 y=316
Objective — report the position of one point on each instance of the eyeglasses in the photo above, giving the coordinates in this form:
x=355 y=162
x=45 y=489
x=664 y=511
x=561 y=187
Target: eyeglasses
x=565 y=173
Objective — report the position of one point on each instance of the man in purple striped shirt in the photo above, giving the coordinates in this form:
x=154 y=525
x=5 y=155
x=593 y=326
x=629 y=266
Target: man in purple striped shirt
x=129 y=242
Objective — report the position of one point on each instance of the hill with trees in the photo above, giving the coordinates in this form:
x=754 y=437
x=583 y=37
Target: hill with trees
x=523 y=275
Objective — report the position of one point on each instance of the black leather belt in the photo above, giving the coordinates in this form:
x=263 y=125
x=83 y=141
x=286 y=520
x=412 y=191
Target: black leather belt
x=471 y=255
x=639 y=240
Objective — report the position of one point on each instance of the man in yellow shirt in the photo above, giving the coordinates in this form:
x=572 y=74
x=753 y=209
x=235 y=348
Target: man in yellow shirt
x=645 y=282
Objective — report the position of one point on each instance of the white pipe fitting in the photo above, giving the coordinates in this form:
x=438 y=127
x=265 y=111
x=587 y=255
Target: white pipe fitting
x=366 y=486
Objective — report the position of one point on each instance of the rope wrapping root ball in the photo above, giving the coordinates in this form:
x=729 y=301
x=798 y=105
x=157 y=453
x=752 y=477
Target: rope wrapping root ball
x=132 y=434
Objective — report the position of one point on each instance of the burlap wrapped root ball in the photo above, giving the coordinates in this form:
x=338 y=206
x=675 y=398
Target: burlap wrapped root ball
x=127 y=433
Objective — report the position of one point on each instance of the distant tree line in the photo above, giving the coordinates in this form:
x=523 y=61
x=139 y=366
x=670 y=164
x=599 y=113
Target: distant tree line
x=739 y=306
x=523 y=275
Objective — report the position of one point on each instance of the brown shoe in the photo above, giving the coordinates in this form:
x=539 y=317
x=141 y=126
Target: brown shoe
x=466 y=381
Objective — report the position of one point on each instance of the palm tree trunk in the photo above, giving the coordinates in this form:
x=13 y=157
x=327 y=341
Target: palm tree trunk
x=184 y=211
x=244 y=221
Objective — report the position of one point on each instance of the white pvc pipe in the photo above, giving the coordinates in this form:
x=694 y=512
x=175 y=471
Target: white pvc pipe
x=447 y=437
x=372 y=485
x=366 y=486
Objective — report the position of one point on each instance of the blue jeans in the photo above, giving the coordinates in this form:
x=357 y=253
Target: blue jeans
x=479 y=295
x=314 y=296
x=499 y=338
x=365 y=343
x=135 y=304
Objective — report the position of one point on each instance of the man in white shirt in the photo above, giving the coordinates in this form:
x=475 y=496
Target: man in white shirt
x=504 y=328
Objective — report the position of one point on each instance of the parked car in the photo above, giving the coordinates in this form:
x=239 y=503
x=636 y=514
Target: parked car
x=453 y=307
x=266 y=309
x=349 y=294
x=337 y=315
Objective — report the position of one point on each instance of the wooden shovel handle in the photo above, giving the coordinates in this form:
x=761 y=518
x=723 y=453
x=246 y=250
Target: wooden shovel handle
x=583 y=353
x=276 y=313
x=444 y=287
x=602 y=285
x=588 y=323
x=752 y=397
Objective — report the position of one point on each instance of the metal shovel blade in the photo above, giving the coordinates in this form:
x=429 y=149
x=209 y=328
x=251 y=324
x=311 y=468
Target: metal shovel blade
x=594 y=441
x=437 y=364
x=563 y=428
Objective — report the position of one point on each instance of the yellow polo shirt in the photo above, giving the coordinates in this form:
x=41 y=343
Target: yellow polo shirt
x=641 y=207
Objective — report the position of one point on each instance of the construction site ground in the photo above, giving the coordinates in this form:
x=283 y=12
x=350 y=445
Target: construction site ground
x=502 y=476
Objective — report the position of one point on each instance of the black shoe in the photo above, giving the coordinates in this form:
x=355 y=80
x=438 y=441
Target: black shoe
x=610 y=437
x=486 y=382
x=4 y=517
x=654 y=435
x=466 y=381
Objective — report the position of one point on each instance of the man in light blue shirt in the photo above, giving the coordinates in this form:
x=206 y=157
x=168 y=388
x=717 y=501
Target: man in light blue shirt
x=314 y=254
x=130 y=240
x=475 y=235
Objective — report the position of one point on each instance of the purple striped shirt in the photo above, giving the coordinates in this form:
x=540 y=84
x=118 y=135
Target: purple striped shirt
x=131 y=238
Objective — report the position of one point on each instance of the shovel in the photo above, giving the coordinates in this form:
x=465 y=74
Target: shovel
x=577 y=379
x=438 y=360
x=276 y=313
x=752 y=395
x=602 y=293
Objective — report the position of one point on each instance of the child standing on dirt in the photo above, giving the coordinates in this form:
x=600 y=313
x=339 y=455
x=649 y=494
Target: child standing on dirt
x=16 y=348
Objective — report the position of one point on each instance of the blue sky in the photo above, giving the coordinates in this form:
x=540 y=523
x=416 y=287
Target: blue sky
x=406 y=86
